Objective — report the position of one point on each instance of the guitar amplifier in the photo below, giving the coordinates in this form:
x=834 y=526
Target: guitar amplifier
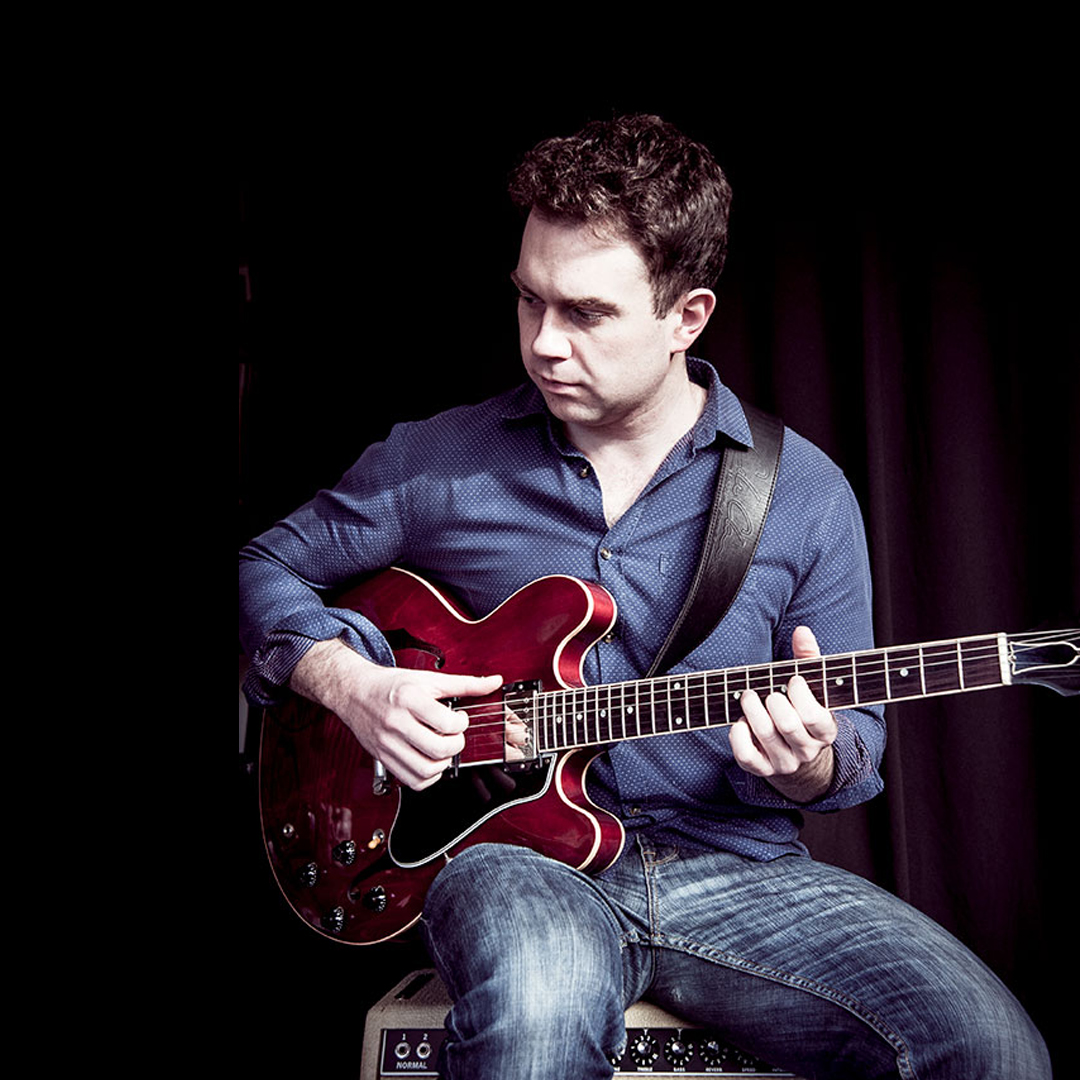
x=404 y=1031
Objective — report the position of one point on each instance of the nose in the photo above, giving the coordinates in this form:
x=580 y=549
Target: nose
x=550 y=339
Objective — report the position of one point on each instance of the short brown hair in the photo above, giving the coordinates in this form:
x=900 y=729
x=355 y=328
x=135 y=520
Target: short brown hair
x=644 y=180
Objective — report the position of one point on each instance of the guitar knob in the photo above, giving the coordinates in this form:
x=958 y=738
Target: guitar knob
x=333 y=922
x=308 y=875
x=644 y=1050
x=345 y=852
x=375 y=899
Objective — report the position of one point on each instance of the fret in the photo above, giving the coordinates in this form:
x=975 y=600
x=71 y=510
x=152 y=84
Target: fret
x=922 y=669
x=617 y=725
x=579 y=704
x=696 y=716
x=980 y=662
x=759 y=679
x=668 y=681
x=637 y=708
x=871 y=685
x=678 y=703
x=815 y=679
x=941 y=668
x=740 y=683
x=904 y=673
x=595 y=736
x=960 y=664
x=838 y=676
x=782 y=674
x=705 y=699
x=541 y=732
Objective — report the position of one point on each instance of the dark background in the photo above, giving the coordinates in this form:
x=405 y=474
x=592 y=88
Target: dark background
x=901 y=288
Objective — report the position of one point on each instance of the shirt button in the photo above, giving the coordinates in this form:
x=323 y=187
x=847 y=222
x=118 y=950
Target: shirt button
x=584 y=471
x=605 y=553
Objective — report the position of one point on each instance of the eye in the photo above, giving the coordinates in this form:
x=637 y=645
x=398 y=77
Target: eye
x=589 y=318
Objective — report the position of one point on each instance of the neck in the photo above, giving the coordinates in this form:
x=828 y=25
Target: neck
x=651 y=430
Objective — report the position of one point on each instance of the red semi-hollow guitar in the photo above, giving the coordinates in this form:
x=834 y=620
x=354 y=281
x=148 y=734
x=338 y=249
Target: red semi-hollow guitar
x=354 y=853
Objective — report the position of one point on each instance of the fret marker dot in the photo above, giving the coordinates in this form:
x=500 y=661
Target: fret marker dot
x=603 y=712
x=839 y=682
x=678 y=719
x=629 y=709
x=903 y=673
x=678 y=686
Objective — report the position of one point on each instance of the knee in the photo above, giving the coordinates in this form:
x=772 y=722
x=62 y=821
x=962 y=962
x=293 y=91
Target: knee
x=528 y=950
x=983 y=1031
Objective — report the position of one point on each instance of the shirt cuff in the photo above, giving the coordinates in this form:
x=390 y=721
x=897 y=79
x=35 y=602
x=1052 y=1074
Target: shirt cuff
x=276 y=658
x=855 y=778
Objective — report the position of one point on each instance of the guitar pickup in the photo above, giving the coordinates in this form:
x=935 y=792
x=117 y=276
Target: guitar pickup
x=519 y=719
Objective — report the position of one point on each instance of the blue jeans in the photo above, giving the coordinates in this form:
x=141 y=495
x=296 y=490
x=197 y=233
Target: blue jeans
x=805 y=965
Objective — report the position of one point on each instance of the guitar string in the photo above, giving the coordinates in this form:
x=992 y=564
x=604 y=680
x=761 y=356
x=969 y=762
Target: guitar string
x=871 y=662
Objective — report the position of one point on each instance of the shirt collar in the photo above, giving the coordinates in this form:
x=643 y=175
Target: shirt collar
x=723 y=411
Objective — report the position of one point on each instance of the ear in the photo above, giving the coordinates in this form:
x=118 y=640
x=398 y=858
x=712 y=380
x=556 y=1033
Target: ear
x=691 y=314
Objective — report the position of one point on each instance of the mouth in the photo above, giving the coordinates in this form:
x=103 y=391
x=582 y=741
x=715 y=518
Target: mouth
x=554 y=386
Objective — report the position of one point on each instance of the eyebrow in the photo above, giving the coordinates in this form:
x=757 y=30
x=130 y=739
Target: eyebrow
x=593 y=303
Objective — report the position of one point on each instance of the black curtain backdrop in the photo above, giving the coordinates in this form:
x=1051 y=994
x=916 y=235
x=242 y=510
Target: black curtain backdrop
x=900 y=288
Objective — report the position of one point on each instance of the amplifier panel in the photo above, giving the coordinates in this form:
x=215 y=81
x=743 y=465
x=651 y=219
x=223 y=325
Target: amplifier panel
x=404 y=1031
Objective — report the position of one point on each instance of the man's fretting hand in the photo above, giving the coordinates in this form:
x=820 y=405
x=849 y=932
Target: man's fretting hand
x=787 y=738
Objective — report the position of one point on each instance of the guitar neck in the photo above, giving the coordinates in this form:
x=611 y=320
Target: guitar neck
x=599 y=715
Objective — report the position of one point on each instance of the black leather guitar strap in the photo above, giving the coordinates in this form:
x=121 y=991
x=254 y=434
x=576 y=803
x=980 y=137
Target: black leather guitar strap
x=744 y=490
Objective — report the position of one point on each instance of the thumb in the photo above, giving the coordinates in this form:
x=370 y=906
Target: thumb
x=467 y=685
x=803 y=643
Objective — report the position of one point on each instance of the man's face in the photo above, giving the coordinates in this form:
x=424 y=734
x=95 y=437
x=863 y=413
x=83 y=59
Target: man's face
x=589 y=338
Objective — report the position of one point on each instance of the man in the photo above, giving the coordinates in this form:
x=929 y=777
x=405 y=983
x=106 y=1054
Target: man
x=603 y=466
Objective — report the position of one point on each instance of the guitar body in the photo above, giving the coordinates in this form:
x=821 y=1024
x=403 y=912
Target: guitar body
x=354 y=854
x=356 y=864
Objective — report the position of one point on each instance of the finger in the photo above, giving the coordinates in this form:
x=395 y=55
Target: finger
x=819 y=722
x=422 y=737
x=803 y=643
x=417 y=700
x=748 y=755
x=768 y=736
x=414 y=769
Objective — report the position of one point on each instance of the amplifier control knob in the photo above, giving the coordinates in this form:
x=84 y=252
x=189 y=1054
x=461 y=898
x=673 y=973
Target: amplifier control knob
x=308 y=875
x=678 y=1050
x=644 y=1050
x=712 y=1052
